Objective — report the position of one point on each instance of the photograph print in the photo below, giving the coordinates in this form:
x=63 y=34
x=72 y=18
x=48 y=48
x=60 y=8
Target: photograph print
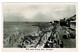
x=39 y=25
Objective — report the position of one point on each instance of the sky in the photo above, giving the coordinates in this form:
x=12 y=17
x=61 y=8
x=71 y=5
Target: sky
x=37 y=12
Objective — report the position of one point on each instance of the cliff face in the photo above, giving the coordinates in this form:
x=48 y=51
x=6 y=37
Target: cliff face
x=73 y=18
x=73 y=22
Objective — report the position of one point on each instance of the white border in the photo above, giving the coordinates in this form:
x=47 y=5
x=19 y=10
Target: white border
x=42 y=1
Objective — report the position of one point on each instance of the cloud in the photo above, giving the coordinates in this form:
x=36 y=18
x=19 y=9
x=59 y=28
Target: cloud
x=37 y=12
x=59 y=10
x=14 y=17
